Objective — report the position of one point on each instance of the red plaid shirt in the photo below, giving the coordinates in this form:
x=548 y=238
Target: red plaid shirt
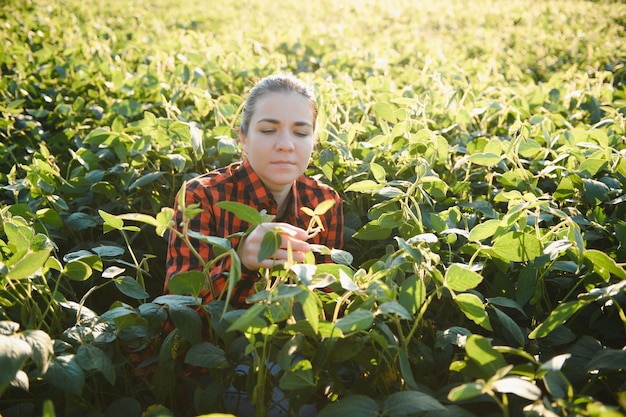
x=238 y=182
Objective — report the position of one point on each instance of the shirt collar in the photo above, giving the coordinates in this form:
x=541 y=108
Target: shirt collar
x=259 y=193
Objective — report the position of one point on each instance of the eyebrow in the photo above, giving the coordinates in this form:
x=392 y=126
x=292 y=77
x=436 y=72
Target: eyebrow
x=277 y=122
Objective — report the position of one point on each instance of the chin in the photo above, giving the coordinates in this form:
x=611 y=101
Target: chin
x=283 y=179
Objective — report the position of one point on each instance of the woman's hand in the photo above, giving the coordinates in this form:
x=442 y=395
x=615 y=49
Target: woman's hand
x=290 y=235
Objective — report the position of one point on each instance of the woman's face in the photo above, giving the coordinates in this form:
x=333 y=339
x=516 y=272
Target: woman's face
x=280 y=139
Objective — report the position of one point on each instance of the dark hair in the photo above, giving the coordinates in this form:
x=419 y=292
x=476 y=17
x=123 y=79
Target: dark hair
x=279 y=83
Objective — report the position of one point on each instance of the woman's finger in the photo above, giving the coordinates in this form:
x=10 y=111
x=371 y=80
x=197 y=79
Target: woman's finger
x=283 y=255
x=270 y=263
x=297 y=245
x=286 y=229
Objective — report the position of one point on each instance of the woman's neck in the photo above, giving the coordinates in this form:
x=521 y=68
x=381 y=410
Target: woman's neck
x=282 y=200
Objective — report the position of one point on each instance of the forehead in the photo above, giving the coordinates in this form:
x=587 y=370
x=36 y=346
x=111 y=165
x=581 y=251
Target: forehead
x=284 y=107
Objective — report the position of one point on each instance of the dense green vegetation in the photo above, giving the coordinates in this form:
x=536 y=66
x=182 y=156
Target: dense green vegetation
x=480 y=149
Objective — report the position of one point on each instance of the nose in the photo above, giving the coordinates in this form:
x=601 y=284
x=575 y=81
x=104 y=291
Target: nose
x=285 y=142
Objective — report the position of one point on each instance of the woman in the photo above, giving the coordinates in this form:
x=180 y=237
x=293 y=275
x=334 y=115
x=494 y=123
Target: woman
x=277 y=135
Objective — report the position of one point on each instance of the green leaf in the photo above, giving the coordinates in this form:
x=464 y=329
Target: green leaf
x=177 y=300
x=112 y=272
x=112 y=314
x=341 y=256
x=310 y=309
x=408 y=403
x=243 y=212
x=288 y=351
x=165 y=219
x=327 y=162
x=111 y=222
x=434 y=186
x=591 y=166
x=355 y=321
x=575 y=236
x=510 y=327
x=385 y=111
x=565 y=189
x=484 y=230
x=131 y=288
x=390 y=192
x=28 y=265
x=556 y=248
x=479 y=350
x=300 y=376
x=108 y=251
x=353 y=405
x=466 y=391
x=90 y=357
x=405 y=369
x=556 y=384
x=601 y=294
x=506 y=302
x=518 y=386
x=364 y=186
x=323 y=207
x=304 y=272
x=143 y=218
x=98 y=136
x=603 y=265
x=415 y=254
x=14 y=352
x=206 y=355
x=412 y=294
x=607 y=359
x=595 y=192
x=186 y=283
x=187 y=321
x=41 y=346
x=269 y=245
x=282 y=291
x=372 y=231
x=50 y=216
x=378 y=172
x=555 y=363
x=215 y=241
x=249 y=318
x=145 y=179
x=178 y=161
x=394 y=307
x=128 y=407
x=473 y=309
x=65 y=373
x=530 y=149
x=460 y=278
x=128 y=108
x=526 y=284
x=77 y=271
x=485 y=159
x=558 y=316
x=154 y=313
x=517 y=247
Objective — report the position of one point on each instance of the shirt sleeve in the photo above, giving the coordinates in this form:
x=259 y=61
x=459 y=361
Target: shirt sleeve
x=182 y=257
